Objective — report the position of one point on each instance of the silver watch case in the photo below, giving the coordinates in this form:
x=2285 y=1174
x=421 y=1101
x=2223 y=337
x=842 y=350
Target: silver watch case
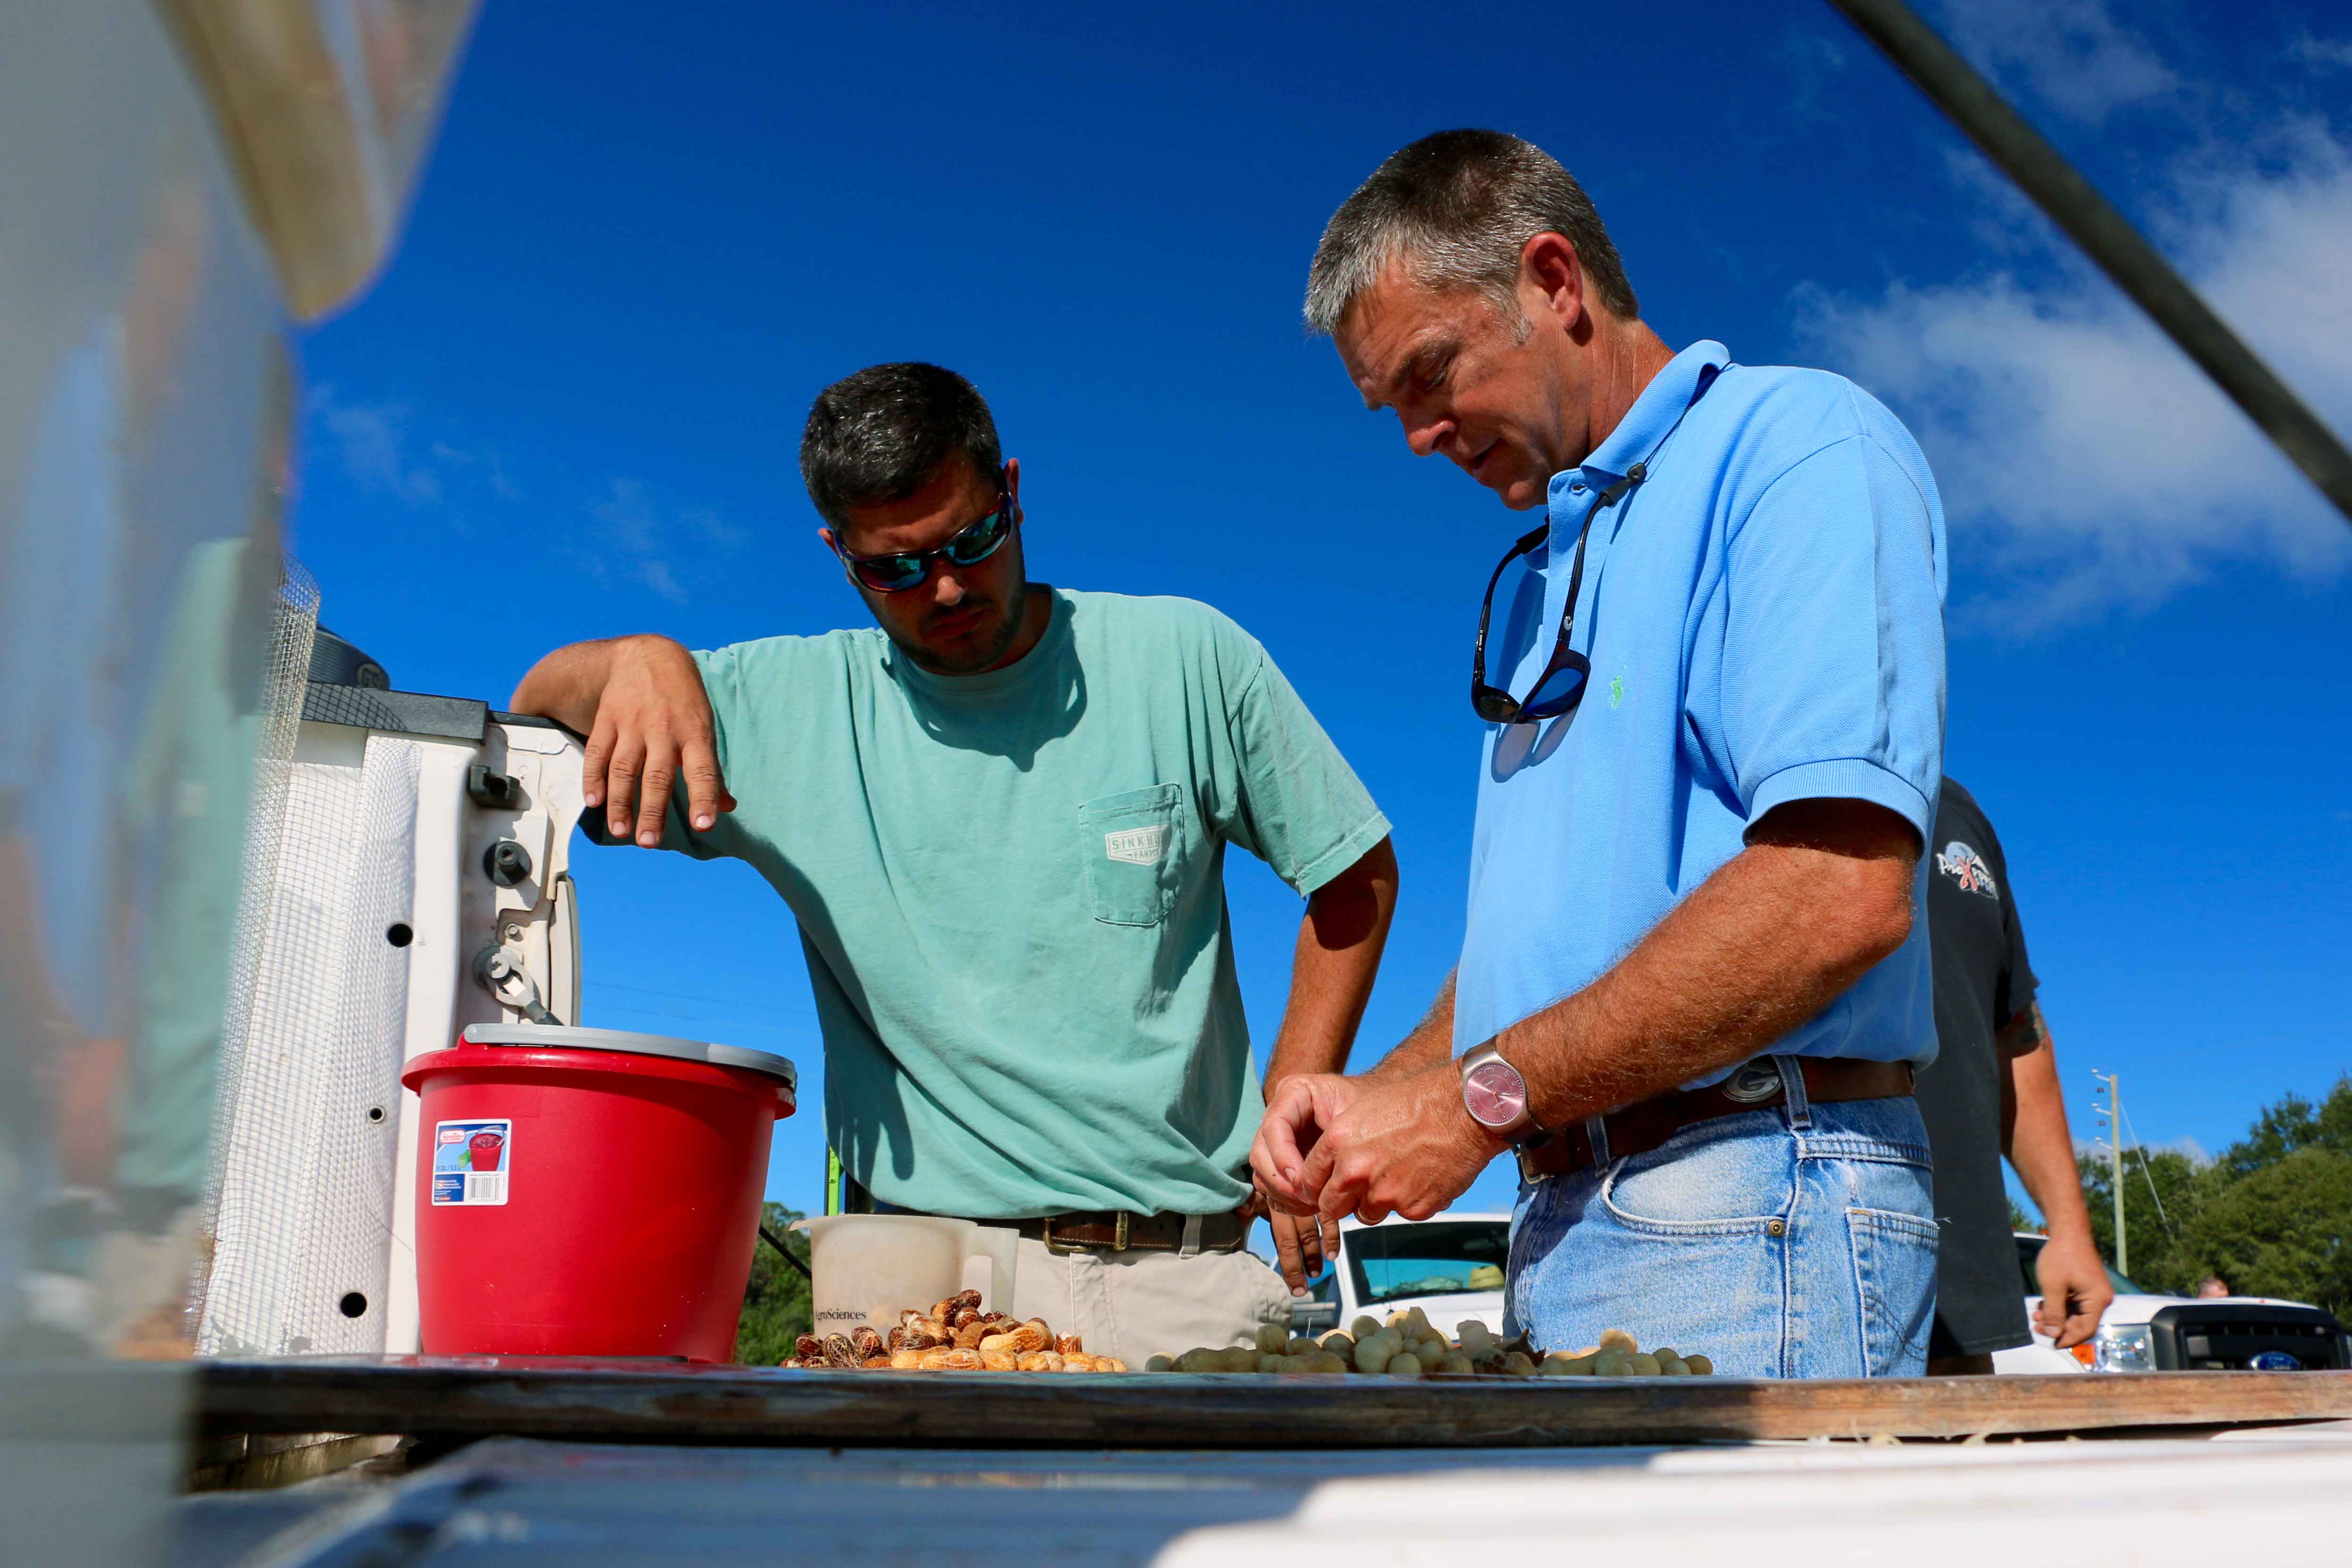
x=1520 y=1127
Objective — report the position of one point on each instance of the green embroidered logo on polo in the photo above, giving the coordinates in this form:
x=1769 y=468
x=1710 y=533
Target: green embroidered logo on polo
x=1616 y=690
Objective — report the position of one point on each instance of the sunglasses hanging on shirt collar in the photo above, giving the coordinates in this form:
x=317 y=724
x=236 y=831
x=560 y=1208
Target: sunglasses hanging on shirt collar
x=1561 y=686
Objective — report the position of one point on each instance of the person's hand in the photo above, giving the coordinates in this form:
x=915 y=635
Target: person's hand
x=1303 y=1244
x=1297 y=1110
x=1404 y=1146
x=653 y=726
x=2074 y=1289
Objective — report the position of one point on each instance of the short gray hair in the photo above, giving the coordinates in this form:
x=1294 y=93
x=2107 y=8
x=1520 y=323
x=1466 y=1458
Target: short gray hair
x=1457 y=208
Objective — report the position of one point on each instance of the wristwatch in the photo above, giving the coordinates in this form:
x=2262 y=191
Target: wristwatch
x=1496 y=1095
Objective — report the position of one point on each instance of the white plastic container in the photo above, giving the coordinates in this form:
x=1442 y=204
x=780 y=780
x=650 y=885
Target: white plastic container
x=868 y=1268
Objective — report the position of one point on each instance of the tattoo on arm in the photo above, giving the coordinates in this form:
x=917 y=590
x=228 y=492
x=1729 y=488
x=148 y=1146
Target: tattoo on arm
x=2024 y=1032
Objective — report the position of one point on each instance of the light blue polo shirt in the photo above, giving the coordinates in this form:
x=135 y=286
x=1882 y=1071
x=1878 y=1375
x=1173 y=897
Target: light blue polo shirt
x=1764 y=616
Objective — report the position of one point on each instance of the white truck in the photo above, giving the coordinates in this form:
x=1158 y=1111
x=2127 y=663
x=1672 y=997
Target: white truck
x=2147 y=1331
x=1451 y=1267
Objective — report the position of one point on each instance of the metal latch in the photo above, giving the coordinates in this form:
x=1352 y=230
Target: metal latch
x=501 y=973
x=493 y=791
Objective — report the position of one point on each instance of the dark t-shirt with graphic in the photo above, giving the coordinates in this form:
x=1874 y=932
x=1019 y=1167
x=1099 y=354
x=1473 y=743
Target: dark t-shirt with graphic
x=1982 y=982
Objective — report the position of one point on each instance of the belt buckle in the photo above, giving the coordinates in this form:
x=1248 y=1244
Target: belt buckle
x=1523 y=1152
x=1046 y=1234
x=1756 y=1081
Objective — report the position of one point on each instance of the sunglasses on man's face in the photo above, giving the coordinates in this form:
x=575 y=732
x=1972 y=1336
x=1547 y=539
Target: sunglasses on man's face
x=900 y=570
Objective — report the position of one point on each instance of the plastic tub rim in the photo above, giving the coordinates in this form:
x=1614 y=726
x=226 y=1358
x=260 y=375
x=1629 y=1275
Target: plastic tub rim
x=570 y=1036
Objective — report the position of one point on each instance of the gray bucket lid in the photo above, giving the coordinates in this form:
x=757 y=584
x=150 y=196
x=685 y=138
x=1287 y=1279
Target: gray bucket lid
x=563 y=1037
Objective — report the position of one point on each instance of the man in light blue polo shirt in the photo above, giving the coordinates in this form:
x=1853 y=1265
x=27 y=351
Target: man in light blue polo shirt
x=1694 y=983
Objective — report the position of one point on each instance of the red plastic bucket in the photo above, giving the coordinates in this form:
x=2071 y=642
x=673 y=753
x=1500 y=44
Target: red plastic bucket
x=589 y=1192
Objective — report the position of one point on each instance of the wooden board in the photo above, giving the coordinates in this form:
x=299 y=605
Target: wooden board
x=676 y=1404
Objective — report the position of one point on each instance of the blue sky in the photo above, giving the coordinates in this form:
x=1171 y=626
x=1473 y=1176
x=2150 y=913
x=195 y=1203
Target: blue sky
x=571 y=409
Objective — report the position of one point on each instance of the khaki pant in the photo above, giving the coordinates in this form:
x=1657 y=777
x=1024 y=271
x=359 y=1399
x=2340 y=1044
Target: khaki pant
x=1136 y=1305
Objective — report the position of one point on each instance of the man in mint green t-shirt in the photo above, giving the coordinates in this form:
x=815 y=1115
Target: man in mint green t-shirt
x=1000 y=820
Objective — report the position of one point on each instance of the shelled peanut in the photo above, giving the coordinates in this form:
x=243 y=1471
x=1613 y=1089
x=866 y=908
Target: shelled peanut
x=955 y=1336
x=1408 y=1346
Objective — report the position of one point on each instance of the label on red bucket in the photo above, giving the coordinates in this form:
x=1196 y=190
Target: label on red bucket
x=470 y=1161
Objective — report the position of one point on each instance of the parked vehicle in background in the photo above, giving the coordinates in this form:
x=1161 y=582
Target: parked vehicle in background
x=2147 y=1331
x=1451 y=1267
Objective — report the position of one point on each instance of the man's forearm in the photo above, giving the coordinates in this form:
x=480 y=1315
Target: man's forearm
x=1767 y=941
x=568 y=684
x=1331 y=973
x=1430 y=1044
x=2034 y=1135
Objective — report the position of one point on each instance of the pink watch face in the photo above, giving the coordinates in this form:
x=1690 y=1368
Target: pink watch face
x=1495 y=1094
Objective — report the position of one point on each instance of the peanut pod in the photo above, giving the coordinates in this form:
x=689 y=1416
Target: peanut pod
x=1026 y=1336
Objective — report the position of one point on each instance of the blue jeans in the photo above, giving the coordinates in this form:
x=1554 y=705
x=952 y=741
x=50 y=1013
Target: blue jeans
x=1798 y=1241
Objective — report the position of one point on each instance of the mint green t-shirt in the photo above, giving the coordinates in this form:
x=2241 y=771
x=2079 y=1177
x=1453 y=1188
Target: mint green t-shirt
x=1010 y=894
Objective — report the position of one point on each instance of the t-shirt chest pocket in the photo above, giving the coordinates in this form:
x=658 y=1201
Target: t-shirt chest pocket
x=1132 y=844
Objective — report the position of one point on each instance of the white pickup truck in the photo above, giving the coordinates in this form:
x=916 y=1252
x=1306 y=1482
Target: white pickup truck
x=1450 y=1267
x=2146 y=1331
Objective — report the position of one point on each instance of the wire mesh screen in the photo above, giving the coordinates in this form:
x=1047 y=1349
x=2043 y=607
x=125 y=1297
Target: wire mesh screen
x=303 y=1225
x=285 y=676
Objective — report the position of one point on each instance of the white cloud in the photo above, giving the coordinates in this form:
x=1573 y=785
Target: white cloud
x=377 y=447
x=631 y=539
x=655 y=575
x=494 y=473
x=2071 y=54
x=2186 y=1147
x=640 y=538
x=2321 y=54
x=627 y=518
x=371 y=439
x=2081 y=454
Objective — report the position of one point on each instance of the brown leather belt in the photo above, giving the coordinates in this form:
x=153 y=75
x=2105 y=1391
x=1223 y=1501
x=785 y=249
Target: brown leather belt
x=1756 y=1086
x=1115 y=1230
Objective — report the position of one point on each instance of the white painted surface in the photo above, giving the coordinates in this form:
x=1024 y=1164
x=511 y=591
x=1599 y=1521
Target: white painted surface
x=2280 y=1501
x=435 y=970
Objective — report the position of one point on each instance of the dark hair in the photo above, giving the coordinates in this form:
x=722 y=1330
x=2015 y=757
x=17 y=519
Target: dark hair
x=1457 y=207
x=880 y=435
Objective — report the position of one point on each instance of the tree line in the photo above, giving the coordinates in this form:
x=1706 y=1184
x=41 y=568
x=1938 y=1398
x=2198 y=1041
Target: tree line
x=776 y=1306
x=2271 y=1217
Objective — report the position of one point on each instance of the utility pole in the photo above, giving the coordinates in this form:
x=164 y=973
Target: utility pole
x=2114 y=1112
